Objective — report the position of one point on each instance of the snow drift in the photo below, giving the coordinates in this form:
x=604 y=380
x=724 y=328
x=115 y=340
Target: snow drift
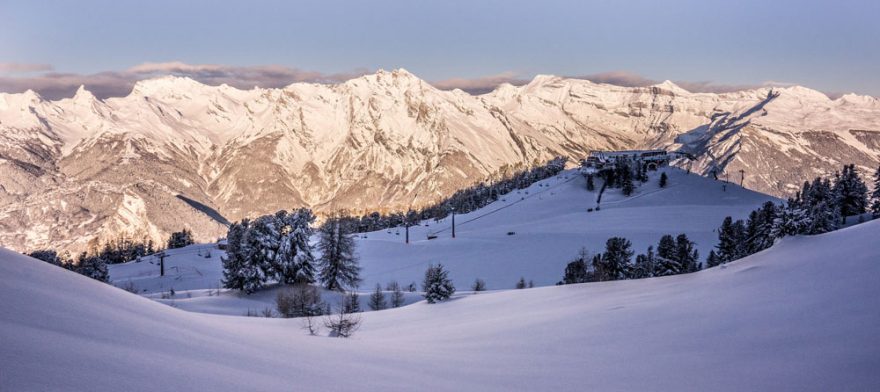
x=802 y=315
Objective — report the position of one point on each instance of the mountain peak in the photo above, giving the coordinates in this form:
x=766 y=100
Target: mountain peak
x=671 y=86
x=83 y=95
x=165 y=83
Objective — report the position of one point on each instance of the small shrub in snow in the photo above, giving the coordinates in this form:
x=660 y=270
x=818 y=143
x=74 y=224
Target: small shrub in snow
x=479 y=285
x=342 y=324
x=437 y=285
x=299 y=301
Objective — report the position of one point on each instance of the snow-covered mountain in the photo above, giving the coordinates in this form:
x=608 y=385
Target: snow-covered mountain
x=178 y=153
x=802 y=315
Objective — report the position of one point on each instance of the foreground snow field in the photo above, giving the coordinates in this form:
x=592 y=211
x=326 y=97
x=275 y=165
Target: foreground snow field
x=549 y=219
x=802 y=315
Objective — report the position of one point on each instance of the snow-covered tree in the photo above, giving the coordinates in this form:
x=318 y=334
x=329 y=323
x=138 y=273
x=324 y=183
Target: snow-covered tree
x=665 y=263
x=91 y=266
x=851 y=191
x=645 y=265
x=760 y=227
x=295 y=262
x=686 y=255
x=731 y=240
x=235 y=262
x=437 y=285
x=339 y=266
x=824 y=214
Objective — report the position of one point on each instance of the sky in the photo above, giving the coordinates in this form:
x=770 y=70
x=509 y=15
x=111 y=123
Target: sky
x=54 y=46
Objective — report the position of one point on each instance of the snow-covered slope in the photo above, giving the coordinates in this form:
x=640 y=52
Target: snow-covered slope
x=176 y=152
x=549 y=220
x=801 y=316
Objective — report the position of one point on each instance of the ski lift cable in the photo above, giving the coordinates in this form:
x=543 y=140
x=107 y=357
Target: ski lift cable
x=509 y=205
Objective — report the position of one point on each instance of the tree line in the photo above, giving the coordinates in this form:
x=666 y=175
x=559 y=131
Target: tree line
x=822 y=205
x=462 y=201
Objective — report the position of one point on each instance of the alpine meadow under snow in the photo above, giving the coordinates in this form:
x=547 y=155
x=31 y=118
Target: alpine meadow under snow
x=801 y=315
x=530 y=233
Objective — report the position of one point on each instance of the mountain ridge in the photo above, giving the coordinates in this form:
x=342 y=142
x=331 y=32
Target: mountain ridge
x=387 y=140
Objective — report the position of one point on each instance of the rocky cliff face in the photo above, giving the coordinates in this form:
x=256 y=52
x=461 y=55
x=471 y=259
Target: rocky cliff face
x=178 y=153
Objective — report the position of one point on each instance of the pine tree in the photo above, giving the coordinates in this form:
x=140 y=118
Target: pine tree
x=339 y=267
x=397 y=297
x=437 y=285
x=577 y=270
x=666 y=263
x=351 y=302
x=234 y=262
x=712 y=260
x=851 y=192
x=644 y=267
x=625 y=176
x=521 y=283
x=614 y=263
x=663 y=179
x=824 y=213
x=686 y=255
x=377 y=299
x=259 y=246
x=875 y=196
x=479 y=285
x=731 y=237
x=760 y=228
x=295 y=262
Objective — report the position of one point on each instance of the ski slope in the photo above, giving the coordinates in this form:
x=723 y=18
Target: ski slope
x=549 y=219
x=551 y=225
x=800 y=316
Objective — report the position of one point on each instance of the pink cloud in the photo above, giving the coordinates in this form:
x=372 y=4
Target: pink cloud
x=53 y=85
x=9 y=68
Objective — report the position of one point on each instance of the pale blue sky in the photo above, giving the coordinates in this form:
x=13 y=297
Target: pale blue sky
x=833 y=46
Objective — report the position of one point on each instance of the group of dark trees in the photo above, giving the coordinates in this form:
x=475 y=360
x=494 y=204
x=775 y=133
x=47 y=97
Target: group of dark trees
x=276 y=248
x=123 y=248
x=179 y=239
x=462 y=201
x=84 y=264
x=674 y=255
x=623 y=175
x=821 y=205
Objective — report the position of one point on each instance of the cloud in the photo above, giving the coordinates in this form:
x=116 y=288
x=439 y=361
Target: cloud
x=54 y=85
x=618 y=78
x=480 y=85
x=9 y=68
